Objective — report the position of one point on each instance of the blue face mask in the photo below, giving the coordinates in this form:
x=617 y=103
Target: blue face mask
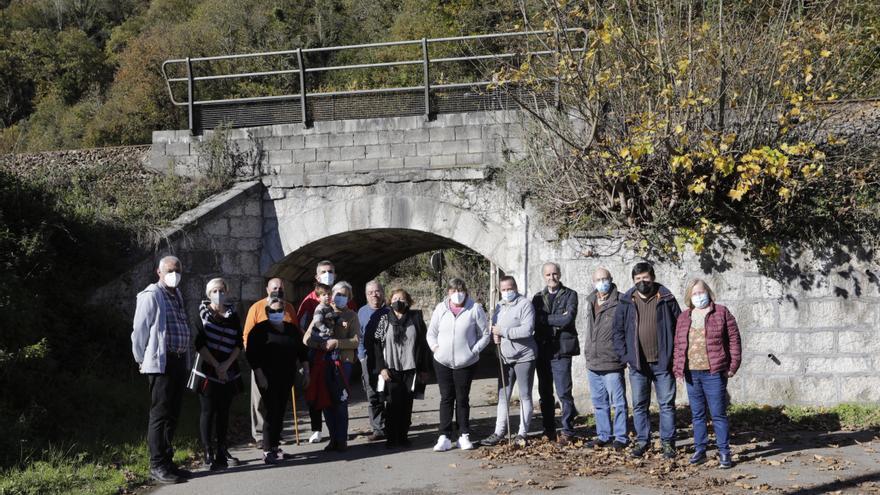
x=508 y=295
x=276 y=317
x=700 y=300
x=340 y=301
x=603 y=286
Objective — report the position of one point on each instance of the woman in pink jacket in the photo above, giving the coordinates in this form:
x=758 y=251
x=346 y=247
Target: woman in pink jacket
x=707 y=353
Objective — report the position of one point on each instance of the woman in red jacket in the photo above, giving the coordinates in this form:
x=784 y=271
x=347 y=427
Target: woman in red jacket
x=707 y=353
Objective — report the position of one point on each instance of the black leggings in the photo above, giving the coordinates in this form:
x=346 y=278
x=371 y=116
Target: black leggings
x=275 y=397
x=215 y=414
x=398 y=412
x=455 y=391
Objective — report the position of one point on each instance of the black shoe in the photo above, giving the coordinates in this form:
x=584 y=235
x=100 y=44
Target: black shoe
x=224 y=455
x=598 y=443
x=491 y=441
x=699 y=457
x=725 y=461
x=331 y=446
x=181 y=472
x=270 y=457
x=209 y=459
x=668 y=450
x=164 y=475
x=391 y=444
x=618 y=446
x=549 y=435
x=639 y=450
x=341 y=446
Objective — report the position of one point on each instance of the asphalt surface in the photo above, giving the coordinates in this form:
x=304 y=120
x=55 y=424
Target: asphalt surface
x=798 y=465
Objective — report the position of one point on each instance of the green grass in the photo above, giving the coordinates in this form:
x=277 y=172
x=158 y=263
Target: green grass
x=113 y=469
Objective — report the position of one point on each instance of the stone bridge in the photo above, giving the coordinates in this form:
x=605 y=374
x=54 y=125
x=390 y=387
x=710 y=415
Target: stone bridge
x=370 y=193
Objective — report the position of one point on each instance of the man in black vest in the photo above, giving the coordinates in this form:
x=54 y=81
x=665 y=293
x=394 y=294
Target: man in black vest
x=555 y=312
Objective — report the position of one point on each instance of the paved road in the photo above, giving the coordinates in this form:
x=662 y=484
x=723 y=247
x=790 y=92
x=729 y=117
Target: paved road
x=371 y=468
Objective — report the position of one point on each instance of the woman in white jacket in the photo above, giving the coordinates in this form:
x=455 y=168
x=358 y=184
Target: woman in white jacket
x=456 y=335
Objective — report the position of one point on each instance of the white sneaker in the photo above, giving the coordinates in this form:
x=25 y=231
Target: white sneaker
x=315 y=438
x=443 y=444
x=464 y=442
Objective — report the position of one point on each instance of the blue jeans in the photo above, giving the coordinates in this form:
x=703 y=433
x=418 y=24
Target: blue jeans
x=336 y=416
x=664 y=387
x=555 y=371
x=702 y=388
x=607 y=390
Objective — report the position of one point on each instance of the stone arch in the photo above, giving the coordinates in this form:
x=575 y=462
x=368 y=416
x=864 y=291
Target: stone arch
x=366 y=234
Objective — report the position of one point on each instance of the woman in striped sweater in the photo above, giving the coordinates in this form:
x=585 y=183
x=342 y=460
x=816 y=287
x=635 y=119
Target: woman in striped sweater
x=219 y=342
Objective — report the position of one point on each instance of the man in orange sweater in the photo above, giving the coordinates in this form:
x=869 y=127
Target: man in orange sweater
x=256 y=314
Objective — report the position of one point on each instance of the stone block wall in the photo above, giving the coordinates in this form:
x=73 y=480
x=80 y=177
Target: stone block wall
x=325 y=154
x=221 y=237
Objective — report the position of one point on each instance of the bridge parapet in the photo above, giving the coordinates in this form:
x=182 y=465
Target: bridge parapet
x=292 y=155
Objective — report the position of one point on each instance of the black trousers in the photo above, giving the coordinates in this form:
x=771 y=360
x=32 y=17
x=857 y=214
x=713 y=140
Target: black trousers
x=455 y=391
x=166 y=396
x=276 y=397
x=214 y=415
x=398 y=412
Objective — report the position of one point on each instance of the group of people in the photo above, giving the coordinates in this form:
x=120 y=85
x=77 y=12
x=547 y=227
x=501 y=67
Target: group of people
x=315 y=349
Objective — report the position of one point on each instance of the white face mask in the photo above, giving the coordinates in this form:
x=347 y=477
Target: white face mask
x=326 y=278
x=218 y=298
x=457 y=297
x=508 y=295
x=700 y=300
x=171 y=279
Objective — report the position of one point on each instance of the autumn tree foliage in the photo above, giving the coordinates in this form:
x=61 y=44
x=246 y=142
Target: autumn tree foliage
x=689 y=122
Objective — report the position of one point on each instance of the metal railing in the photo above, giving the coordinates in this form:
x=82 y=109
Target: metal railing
x=428 y=98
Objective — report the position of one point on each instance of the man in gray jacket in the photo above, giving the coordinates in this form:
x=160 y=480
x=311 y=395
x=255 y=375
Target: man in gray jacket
x=513 y=330
x=161 y=344
x=604 y=368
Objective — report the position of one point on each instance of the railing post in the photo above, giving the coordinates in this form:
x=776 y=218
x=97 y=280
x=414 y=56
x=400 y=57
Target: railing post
x=425 y=62
x=302 y=88
x=190 y=91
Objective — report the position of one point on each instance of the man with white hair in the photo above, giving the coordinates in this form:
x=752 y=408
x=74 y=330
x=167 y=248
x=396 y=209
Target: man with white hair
x=368 y=316
x=161 y=345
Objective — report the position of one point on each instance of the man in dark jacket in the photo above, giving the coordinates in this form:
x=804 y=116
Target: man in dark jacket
x=644 y=338
x=604 y=368
x=555 y=312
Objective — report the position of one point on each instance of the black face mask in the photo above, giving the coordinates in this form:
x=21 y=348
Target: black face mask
x=646 y=287
x=400 y=306
x=277 y=294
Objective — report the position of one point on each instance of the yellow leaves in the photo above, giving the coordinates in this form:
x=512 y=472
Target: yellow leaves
x=699 y=185
x=737 y=193
x=825 y=53
x=678 y=129
x=785 y=193
x=683 y=65
x=834 y=140
x=771 y=251
x=724 y=164
x=682 y=161
x=812 y=170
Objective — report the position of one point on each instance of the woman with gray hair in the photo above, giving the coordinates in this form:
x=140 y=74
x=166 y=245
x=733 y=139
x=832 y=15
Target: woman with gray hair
x=334 y=358
x=216 y=377
x=456 y=335
x=707 y=352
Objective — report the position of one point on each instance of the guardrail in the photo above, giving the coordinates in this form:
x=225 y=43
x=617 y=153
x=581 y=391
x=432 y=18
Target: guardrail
x=309 y=104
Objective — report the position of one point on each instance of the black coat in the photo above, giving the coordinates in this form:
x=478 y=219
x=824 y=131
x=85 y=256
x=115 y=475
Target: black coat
x=626 y=330
x=555 y=330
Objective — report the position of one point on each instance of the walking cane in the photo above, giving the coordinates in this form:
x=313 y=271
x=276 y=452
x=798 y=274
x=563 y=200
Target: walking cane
x=504 y=384
x=295 y=420
x=503 y=377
